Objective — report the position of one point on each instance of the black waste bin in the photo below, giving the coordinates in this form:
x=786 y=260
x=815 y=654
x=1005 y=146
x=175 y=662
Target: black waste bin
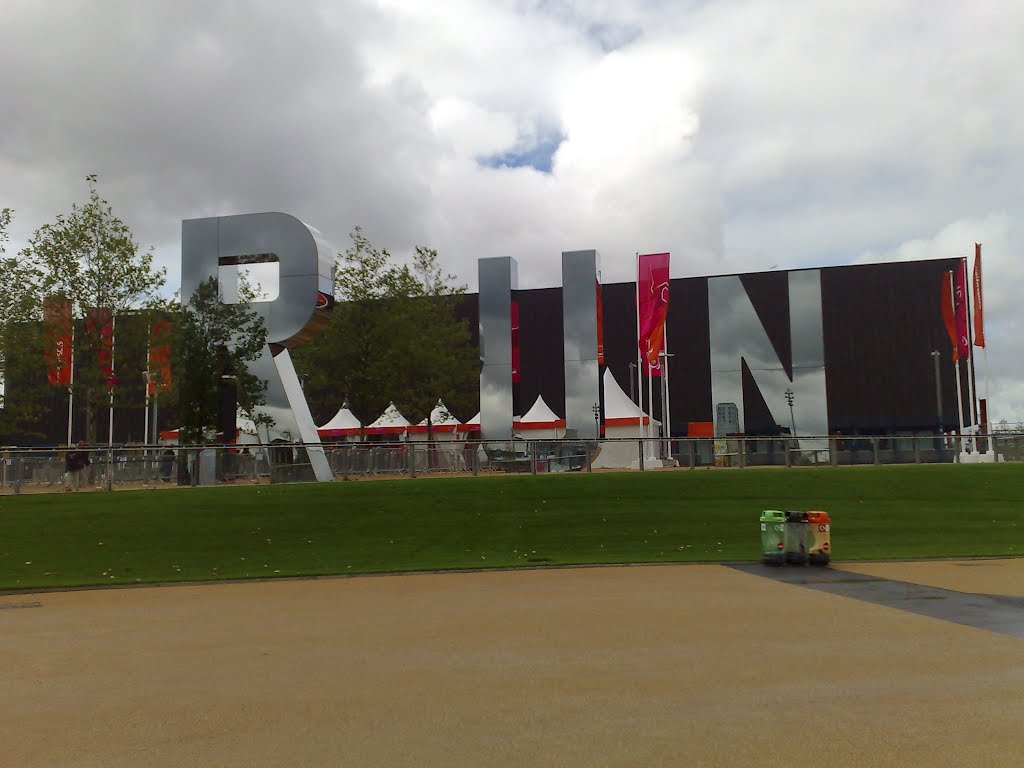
x=796 y=538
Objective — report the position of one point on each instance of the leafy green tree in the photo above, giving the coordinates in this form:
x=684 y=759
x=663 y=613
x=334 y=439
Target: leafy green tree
x=91 y=258
x=434 y=359
x=393 y=335
x=20 y=313
x=214 y=339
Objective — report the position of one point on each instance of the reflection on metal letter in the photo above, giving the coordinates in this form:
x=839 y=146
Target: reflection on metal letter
x=737 y=335
x=306 y=264
x=498 y=277
x=580 y=271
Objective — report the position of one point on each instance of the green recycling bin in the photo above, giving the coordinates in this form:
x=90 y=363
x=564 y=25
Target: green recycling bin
x=797 y=538
x=773 y=535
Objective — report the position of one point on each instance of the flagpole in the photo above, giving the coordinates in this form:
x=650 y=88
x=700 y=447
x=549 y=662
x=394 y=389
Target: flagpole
x=970 y=363
x=71 y=380
x=984 y=348
x=639 y=371
x=113 y=338
x=650 y=399
x=956 y=367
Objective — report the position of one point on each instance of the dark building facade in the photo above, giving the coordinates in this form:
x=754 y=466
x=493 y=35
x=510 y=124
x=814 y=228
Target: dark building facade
x=855 y=348
x=879 y=324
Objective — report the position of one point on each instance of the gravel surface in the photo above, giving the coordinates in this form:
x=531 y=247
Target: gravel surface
x=696 y=665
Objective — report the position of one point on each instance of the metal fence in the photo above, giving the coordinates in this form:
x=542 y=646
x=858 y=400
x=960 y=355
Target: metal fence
x=37 y=470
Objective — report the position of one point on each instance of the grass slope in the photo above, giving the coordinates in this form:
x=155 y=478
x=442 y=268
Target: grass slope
x=364 y=527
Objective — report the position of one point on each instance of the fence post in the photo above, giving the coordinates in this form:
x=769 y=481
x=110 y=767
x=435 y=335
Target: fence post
x=917 y=450
x=590 y=456
x=110 y=469
x=17 y=475
x=533 y=457
x=693 y=454
x=874 y=449
x=743 y=452
x=474 y=457
x=789 y=454
x=833 y=451
x=641 y=444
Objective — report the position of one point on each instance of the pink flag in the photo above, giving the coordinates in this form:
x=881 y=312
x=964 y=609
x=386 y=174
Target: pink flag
x=979 y=313
x=652 y=298
x=963 y=343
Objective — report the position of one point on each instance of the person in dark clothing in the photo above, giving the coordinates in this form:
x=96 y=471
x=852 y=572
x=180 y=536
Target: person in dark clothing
x=75 y=463
x=166 y=465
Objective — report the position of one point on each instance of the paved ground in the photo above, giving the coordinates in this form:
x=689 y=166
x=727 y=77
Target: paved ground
x=982 y=576
x=643 y=666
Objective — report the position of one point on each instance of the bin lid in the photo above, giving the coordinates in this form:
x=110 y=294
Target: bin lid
x=773 y=516
x=793 y=516
x=818 y=517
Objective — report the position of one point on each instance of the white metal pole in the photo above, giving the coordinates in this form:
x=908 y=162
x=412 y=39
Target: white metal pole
x=71 y=381
x=959 y=405
x=970 y=362
x=668 y=395
x=956 y=367
x=650 y=400
x=145 y=427
x=110 y=426
x=639 y=357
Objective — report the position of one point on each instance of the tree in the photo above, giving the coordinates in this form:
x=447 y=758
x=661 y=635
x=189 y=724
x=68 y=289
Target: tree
x=393 y=335
x=436 y=359
x=214 y=339
x=91 y=258
x=20 y=313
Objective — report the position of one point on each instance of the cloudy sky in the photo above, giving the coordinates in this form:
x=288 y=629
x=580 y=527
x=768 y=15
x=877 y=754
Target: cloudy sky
x=738 y=135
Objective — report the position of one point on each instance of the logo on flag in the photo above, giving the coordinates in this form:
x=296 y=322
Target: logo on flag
x=652 y=306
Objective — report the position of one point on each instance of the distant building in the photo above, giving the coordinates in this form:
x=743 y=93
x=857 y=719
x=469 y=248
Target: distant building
x=727 y=419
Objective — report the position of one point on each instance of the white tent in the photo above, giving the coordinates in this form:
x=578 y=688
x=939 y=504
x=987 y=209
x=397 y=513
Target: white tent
x=245 y=433
x=473 y=425
x=541 y=423
x=624 y=419
x=343 y=425
x=391 y=423
x=443 y=425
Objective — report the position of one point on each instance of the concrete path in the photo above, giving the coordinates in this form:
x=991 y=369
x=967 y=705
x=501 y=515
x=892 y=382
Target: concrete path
x=642 y=666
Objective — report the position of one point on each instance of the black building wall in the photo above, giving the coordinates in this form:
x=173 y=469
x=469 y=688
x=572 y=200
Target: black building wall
x=881 y=323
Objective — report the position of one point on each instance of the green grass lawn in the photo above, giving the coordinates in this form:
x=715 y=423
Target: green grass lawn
x=400 y=525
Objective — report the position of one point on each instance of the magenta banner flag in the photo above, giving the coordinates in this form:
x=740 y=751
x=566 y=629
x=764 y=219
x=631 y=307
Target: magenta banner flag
x=963 y=342
x=652 y=297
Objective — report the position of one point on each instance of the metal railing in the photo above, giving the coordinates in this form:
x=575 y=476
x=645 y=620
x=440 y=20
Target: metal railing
x=40 y=470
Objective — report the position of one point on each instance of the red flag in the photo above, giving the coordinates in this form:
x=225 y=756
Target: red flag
x=963 y=342
x=159 y=356
x=652 y=296
x=515 y=342
x=59 y=349
x=948 y=312
x=101 y=320
x=979 y=316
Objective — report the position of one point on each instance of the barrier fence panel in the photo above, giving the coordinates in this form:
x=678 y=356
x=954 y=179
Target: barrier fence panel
x=42 y=470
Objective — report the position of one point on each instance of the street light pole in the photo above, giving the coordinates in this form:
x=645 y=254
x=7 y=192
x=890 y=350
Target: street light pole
x=792 y=420
x=597 y=421
x=936 y=355
x=632 y=382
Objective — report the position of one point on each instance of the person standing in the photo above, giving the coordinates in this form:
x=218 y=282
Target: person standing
x=75 y=463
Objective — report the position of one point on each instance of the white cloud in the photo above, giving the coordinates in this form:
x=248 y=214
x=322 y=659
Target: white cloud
x=736 y=135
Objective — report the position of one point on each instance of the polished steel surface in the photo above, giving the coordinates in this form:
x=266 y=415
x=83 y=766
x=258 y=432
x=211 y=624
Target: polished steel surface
x=498 y=277
x=737 y=335
x=305 y=268
x=580 y=275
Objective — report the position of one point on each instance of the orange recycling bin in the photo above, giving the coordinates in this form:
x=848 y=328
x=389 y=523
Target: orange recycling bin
x=819 y=534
